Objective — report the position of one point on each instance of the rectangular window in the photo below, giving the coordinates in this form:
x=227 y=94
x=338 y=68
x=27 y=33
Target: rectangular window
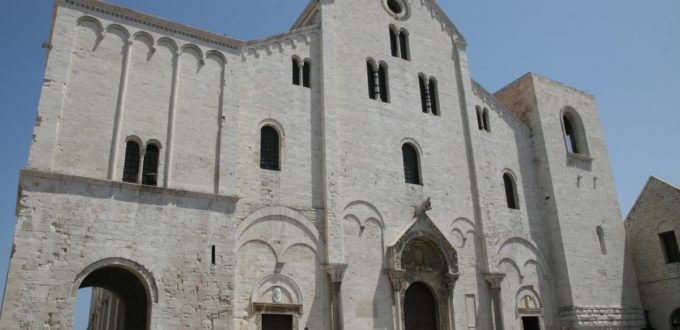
x=670 y=247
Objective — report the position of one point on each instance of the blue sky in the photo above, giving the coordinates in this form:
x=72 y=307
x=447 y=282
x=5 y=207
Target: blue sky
x=625 y=52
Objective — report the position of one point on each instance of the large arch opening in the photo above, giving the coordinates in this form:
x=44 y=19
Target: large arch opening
x=120 y=299
x=420 y=308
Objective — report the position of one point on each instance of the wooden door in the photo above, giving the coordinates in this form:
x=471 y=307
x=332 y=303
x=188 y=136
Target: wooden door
x=420 y=309
x=277 y=322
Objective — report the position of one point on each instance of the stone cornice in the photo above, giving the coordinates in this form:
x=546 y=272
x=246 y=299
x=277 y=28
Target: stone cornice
x=35 y=173
x=154 y=22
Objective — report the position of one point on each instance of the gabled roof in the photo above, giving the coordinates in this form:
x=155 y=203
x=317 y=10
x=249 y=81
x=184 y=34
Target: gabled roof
x=654 y=189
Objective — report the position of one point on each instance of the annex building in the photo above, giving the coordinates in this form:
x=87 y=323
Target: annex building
x=347 y=174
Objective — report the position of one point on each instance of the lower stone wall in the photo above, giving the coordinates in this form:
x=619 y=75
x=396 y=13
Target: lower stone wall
x=601 y=317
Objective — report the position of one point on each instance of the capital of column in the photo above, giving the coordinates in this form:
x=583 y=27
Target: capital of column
x=336 y=272
x=494 y=280
x=396 y=277
x=451 y=279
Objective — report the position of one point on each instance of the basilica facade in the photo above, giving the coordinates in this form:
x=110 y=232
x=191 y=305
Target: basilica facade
x=346 y=174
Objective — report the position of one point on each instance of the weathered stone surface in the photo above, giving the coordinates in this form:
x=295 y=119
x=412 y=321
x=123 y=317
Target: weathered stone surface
x=320 y=230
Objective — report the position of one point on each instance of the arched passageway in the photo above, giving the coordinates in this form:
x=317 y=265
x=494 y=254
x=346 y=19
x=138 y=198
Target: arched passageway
x=119 y=300
x=420 y=308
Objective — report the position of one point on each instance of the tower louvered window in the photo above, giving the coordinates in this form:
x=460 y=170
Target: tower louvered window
x=269 y=149
x=150 y=170
x=131 y=166
x=411 y=164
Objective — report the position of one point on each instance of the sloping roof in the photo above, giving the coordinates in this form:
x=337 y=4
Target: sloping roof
x=655 y=188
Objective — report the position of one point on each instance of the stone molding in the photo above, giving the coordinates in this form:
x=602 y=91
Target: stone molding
x=494 y=280
x=336 y=272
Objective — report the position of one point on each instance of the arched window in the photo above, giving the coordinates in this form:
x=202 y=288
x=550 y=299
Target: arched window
x=150 y=171
x=131 y=165
x=411 y=164
x=423 y=92
x=370 y=75
x=403 y=44
x=394 y=47
x=510 y=191
x=383 y=81
x=306 y=72
x=574 y=135
x=269 y=149
x=485 y=120
x=600 y=237
x=296 y=71
x=434 y=97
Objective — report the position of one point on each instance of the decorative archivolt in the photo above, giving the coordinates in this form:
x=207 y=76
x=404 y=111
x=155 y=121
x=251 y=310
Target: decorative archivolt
x=505 y=254
x=289 y=291
x=363 y=212
x=462 y=228
x=279 y=43
x=143 y=274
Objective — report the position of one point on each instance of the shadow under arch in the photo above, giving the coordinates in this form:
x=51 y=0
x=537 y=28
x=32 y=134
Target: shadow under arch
x=129 y=282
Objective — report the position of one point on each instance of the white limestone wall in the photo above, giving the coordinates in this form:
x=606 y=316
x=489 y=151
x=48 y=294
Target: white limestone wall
x=516 y=238
x=656 y=211
x=66 y=224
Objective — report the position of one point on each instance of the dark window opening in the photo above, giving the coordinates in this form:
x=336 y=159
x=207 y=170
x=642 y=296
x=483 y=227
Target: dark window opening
x=150 y=171
x=296 y=72
x=393 y=43
x=269 y=148
x=394 y=6
x=423 y=93
x=480 y=120
x=670 y=246
x=277 y=322
x=510 y=194
x=432 y=90
x=306 y=71
x=370 y=73
x=675 y=320
x=131 y=167
x=600 y=237
x=382 y=81
x=411 y=164
x=570 y=137
x=212 y=259
x=420 y=308
x=403 y=44
x=531 y=323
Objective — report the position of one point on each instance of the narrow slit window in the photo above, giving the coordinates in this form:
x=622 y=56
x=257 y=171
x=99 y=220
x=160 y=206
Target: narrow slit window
x=403 y=44
x=411 y=164
x=296 y=72
x=432 y=91
x=269 y=149
x=510 y=191
x=212 y=255
x=306 y=72
x=382 y=81
x=150 y=171
x=394 y=48
x=485 y=120
x=669 y=244
x=600 y=237
x=423 y=93
x=131 y=166
x=480 y=120
x=370 y=73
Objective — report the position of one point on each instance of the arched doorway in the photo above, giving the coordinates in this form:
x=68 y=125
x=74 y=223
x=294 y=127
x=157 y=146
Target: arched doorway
x=119 y=299
x=420 y=308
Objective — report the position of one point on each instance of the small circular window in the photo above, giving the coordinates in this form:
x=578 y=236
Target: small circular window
x=394 y=6
x=397 y=9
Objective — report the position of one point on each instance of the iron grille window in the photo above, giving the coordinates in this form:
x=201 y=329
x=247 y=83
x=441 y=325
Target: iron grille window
x=150 y=171
x=670 y=246
x=269 y=149
x=510 y=195
x=411 y=166
x=131 y=167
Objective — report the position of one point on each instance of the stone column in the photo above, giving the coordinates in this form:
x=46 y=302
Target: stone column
x=336 y=272
x=396 y=278
x=494 y=282
x=451 y=285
